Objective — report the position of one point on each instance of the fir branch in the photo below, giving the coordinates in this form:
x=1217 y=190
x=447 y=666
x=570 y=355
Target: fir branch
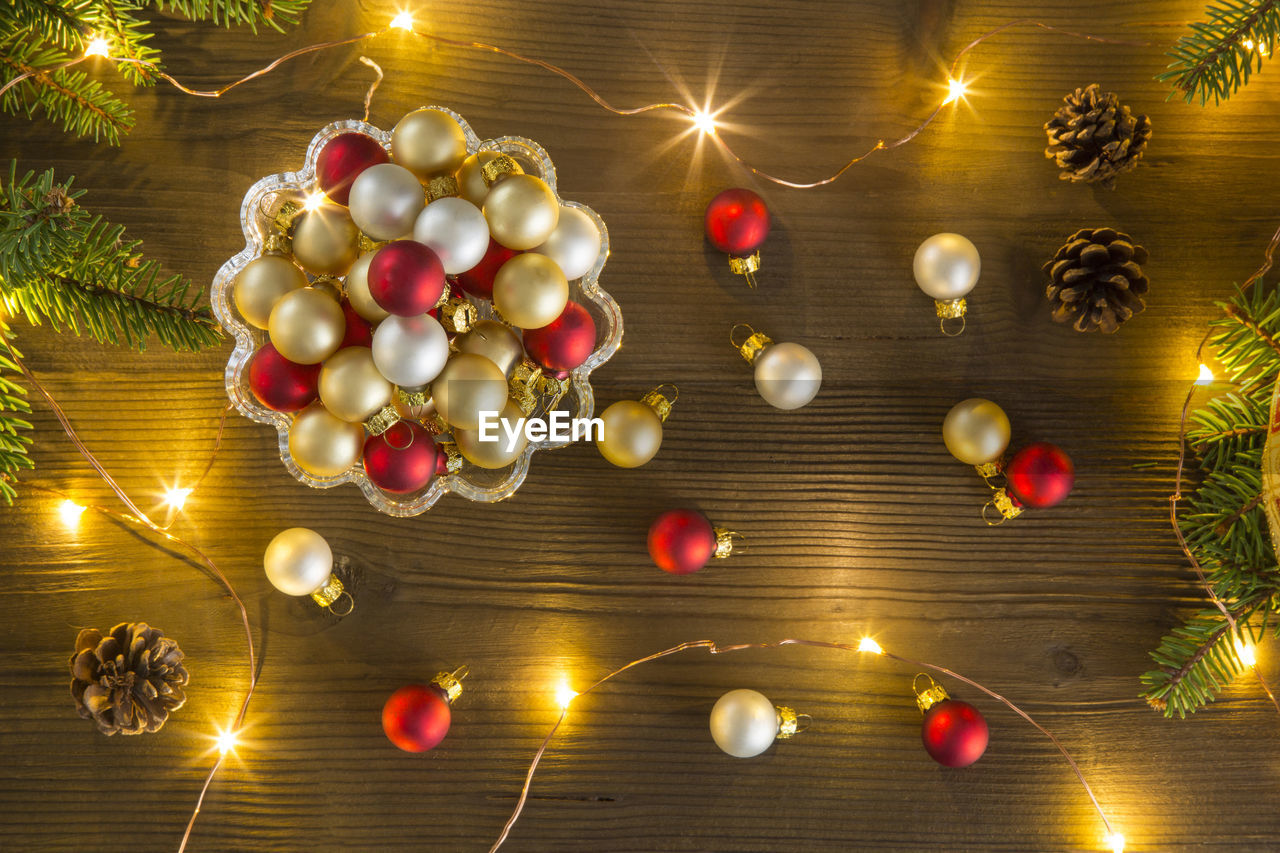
x=1197 y=659
x=62 y=265
x=54 y=20
x=82 y=106
x=14 y=443
x=272 y=13
x=1217 y=57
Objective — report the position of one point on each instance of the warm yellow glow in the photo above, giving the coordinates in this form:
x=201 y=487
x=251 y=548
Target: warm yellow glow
x=97 y=46
x=565 y=695
x=1206 y=375
x=402 y=21
x=313 y=201
x=1247 y=652
x=870 y=645
x=175 y=498
x=704 y=121
x=70 y=511
x=1115 y=841
x=226 y=741
x=956 y=90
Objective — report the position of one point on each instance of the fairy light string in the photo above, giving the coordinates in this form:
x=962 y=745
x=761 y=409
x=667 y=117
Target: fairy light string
x=703 y=121
x=867 y=645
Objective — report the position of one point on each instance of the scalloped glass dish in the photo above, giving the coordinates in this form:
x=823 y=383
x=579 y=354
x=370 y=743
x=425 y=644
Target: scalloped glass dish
x=261 y=203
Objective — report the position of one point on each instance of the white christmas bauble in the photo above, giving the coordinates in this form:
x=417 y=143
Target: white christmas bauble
x=788 y=375
x=385 y=201
x=410 y=351
x=744 y=723
x=298 y=561
x=574 y=244
x=947 y=266
x=456 y=231
x=357 y=288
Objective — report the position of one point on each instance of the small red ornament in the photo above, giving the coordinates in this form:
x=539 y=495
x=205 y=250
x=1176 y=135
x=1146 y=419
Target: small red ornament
x=954 y=732
x=1040 y=475
x=280 y=384
x=737 y=223
x=478 y=281
x=406 y=278
x=681 y=541
x=565 y=342
x=416 y=717
x=402 y=459
x=359 y=330
x=342 y=159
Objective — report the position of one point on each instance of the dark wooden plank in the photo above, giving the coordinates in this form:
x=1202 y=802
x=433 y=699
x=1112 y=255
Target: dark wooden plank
x=857 y=518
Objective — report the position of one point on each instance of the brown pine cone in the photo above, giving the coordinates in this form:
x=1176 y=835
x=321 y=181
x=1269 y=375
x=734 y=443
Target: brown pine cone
x=1094 y=138
x=1096 y=279
x=128 y=681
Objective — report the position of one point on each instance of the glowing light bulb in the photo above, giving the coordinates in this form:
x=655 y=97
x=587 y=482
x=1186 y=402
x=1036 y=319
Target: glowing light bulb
x=313 y=201
x=956 y=90
x=1247 y=653
x=870 y=645
x=175 y=498
x=704 y=121
x=70 y=511
x=565 y=695
x=97 y=46
x=1206 y=375
x=402 y=21
x=226 y=741
x=1115 y=841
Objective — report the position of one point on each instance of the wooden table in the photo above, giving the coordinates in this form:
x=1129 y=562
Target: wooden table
x=858 y=520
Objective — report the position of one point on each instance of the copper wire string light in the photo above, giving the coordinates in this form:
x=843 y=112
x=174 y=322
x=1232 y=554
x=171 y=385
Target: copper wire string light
x=566 y=696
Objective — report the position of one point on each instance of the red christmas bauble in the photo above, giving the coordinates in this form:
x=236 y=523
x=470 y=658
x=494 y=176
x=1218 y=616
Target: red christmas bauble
x=954 y=733
x=281 y=384
x=565 y=342
x=406 y=278
x=737 y=221
x=478 y=281
x=416 y=718
x=342 y=159
x=1040 y=475
x=359 y=330
x=402 y=459
x=681 y=541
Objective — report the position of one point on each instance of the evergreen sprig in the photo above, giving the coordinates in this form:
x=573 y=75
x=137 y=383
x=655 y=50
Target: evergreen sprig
x=37 y=36
x=14 y=442
x=1223 y=519
x=1220 y=53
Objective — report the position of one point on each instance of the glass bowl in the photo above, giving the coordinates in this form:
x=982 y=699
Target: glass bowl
x=263 y=201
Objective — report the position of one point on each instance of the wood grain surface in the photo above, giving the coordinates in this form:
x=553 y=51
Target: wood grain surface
x=858 y=520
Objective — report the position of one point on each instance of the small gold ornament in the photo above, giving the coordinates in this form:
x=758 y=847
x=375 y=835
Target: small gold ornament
x=522 y=211
x=468 y=385
x=501 y=452
x=356 y=286
x=471 y=183
x=530 y=291
x=306 y=325
x=494 y=341
x=351 y=386
x=323 y=445
x=428 y=142
x=325 y=240
x=632 y=433
x=261 y=284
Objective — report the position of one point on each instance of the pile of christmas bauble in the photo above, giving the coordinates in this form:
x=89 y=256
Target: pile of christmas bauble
x=400 y=286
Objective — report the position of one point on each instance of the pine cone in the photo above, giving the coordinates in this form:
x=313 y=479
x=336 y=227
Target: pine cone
x=1097 y=280
x=1093 y=138
x=128 y=681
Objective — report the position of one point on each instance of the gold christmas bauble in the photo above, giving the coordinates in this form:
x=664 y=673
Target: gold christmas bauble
x=412 y=411
x=351 y=386
x=530 y=291
x=263 y=281
x=306 y=325
x=471 y=182
x=499 y=453
x=428 y=142
x=522 y=211
x=632 y=434
x=495 y=342
x=468 y=385
x=357 y=287
x=976 y=431
x=323 y=445
x=325 y=240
